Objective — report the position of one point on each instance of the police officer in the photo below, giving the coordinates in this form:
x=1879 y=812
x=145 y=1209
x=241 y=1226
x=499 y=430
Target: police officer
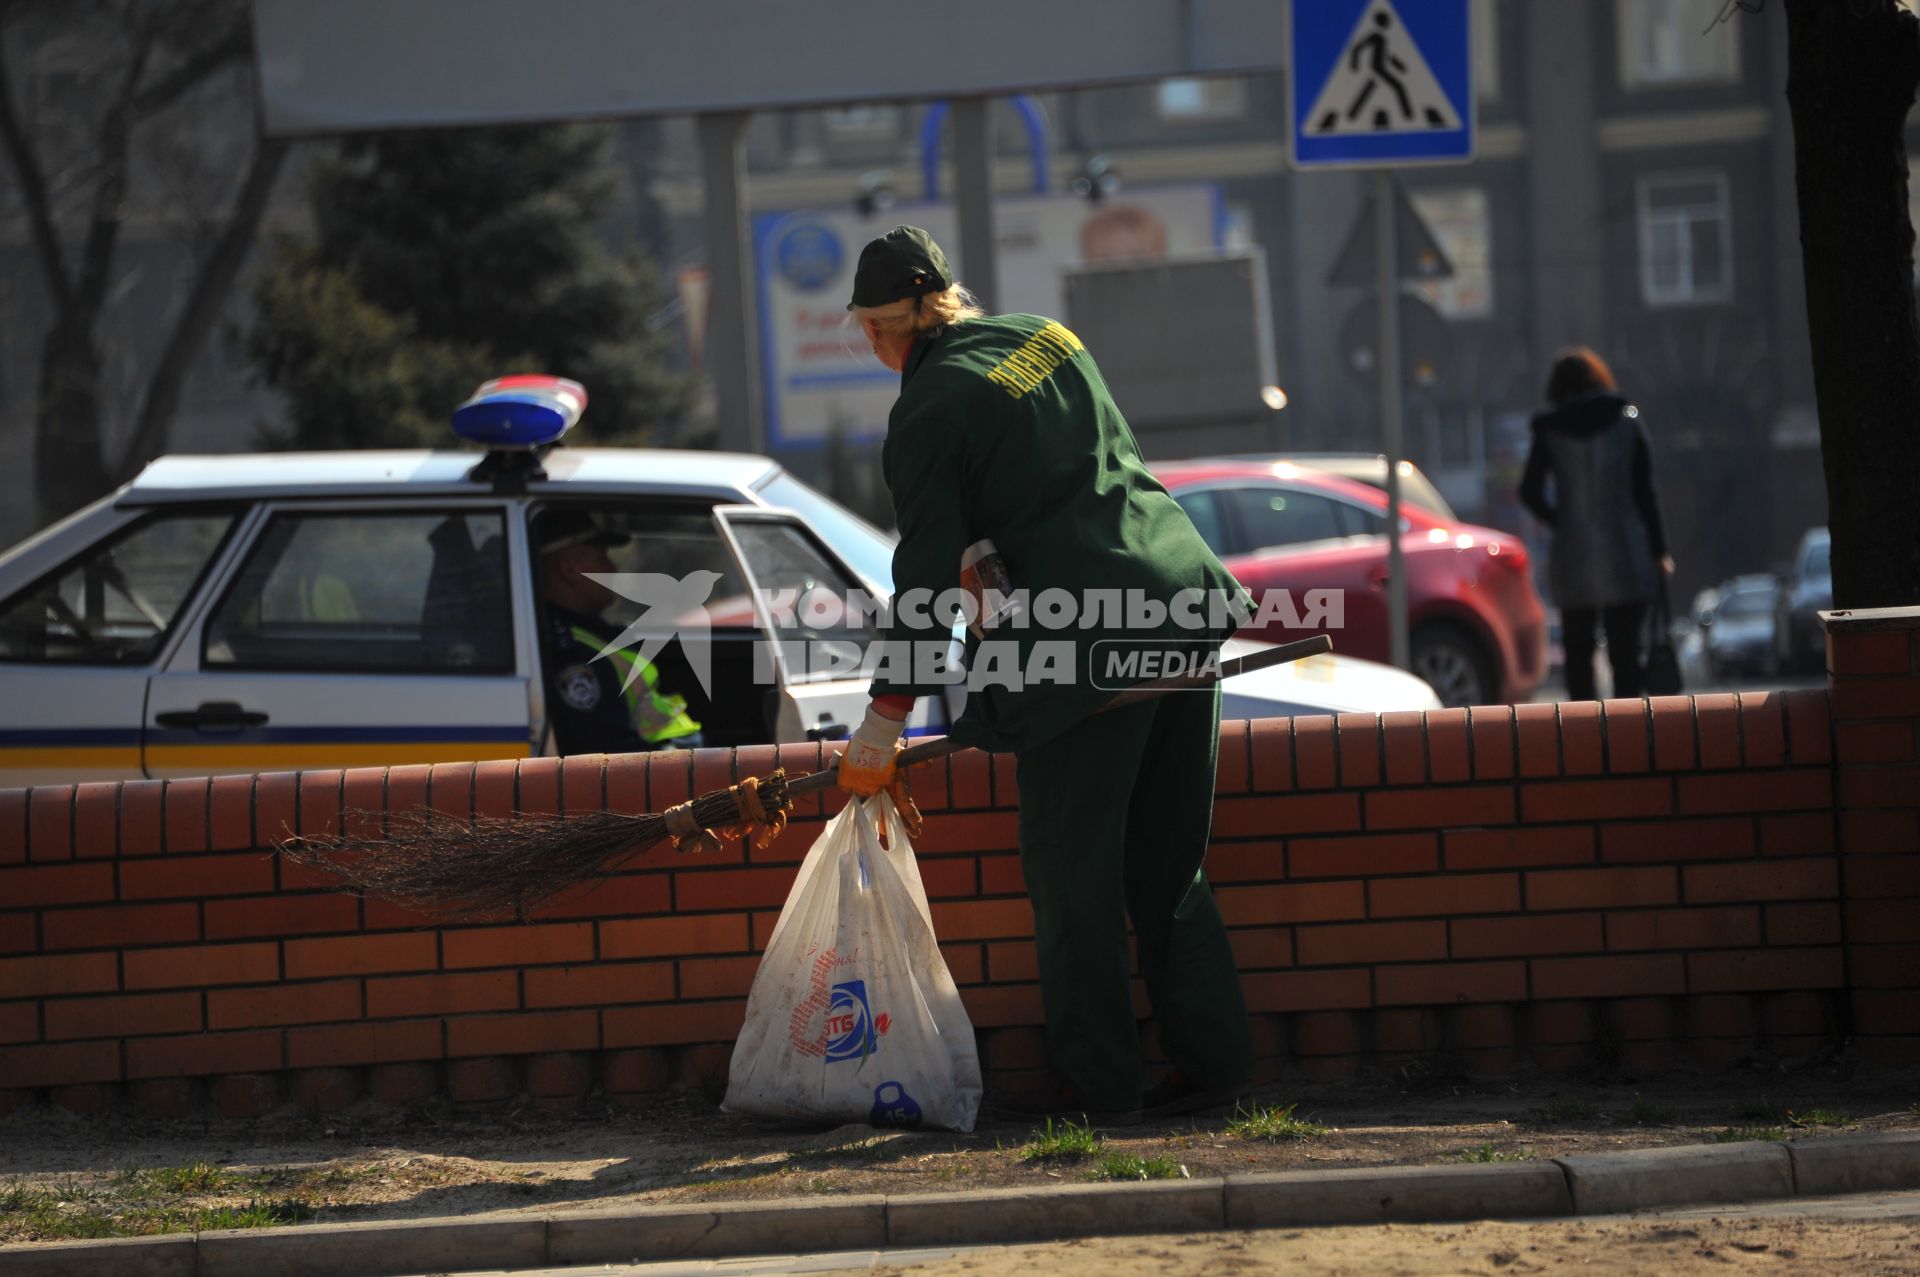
x=1004 y=433
x=594 y=706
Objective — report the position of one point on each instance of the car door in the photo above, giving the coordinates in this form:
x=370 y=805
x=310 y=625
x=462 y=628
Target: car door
x=79 y=644
x=801 y=590
x=349 y=634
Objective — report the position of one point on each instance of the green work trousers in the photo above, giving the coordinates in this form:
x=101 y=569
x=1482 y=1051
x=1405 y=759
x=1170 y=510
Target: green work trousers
x=1114 y=819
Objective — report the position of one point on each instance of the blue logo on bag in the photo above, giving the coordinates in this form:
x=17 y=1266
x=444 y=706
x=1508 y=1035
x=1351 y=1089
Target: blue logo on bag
x=892 y=1106
x=849 y=1022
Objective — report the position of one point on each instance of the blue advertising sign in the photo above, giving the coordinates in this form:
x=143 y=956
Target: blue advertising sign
x=1381 y=83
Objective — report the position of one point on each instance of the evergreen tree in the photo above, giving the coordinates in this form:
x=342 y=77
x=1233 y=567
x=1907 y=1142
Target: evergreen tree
x=439 y=260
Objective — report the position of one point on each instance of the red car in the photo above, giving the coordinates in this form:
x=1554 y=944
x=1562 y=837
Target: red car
x=1478 y=630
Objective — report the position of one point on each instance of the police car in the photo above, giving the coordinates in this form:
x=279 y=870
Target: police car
x=276 y=611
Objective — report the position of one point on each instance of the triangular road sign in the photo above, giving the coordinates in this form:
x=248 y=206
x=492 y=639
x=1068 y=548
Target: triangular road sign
x=1417 y=252
x=1381 y=84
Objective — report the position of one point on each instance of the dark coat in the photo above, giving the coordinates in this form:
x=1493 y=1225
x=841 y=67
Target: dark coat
x=1608 y=536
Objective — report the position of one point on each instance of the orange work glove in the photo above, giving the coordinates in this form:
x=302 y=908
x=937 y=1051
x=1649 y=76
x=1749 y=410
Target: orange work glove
x=867 y=765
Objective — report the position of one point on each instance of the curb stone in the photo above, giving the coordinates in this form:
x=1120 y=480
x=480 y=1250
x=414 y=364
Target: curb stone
x=1583 y=1184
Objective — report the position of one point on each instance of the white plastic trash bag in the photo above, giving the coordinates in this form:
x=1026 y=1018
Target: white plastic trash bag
x=853 y=1015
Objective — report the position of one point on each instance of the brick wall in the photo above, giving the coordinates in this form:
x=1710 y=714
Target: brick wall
x=1683 y=881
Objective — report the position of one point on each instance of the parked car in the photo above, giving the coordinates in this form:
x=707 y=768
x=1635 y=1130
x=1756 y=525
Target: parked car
x=255 y=613
x=1806 y=589
x=1735 y=623
x=1369 y=468
x=1478 y=632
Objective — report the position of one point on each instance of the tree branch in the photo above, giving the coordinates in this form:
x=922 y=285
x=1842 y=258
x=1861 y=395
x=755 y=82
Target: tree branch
x=210 y=289
x=165 y=91
x=116 y=128
x=33 y=191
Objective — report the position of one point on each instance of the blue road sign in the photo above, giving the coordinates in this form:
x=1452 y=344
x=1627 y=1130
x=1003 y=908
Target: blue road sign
x=1381 y=83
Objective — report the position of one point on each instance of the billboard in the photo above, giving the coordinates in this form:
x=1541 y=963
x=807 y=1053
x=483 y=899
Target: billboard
x=822 y=380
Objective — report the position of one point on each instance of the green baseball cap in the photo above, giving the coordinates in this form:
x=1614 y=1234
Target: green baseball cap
x=905 y=262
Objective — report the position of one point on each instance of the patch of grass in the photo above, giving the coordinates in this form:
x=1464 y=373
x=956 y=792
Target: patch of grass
x=1742 y=1134
x=1271 y=1122
x=1067 y=1142
x=1567 y=1108
x=1645 y=1112
x=1819 y=1117
x=175 y=1181
x=70 y=1212
x=1488 y=1153
x=1113 y=1165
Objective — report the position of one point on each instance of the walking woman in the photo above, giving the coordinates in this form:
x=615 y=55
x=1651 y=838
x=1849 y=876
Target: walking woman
x=1005 y=442
x=1608 y=541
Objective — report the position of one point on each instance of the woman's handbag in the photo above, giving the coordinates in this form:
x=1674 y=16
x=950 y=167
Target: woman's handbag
x=1663 y=665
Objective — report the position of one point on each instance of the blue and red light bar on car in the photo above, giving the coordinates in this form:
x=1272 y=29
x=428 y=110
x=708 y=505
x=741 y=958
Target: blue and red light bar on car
x=526 y=411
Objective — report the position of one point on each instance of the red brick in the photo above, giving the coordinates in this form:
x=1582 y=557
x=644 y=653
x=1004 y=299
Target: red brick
x=537 y=782
x=1449 y=755
x=1537 y=728
x=320 y=802
x=1601 y=888
x=1226 y=862
x=56 y=885
x=704 y=979
x=360 y=955
x=634 y=1072
x=986 y=831
x=712 y=770
x=450 y=790
x=16 y=933
x=1362 y=855
x=1673 y=732
x=1542 y=802
x=1720 y=1015
x=1639 y=1019
x=703 y=1068
x=1882 y=652
x=950 y=877
x=1669 y=840
x=201 y=965
x=50 y=823
x=324 y=1089
x=970 y=777
x=583 y=786
x=439 y=994
x=1233 y=770
x=188 y=877
x=1523 y=936
x=1006 y=782
x=1002 y=1004
x=1404 y=1031
x=1404 y=747
x=120 y=1017
x=982 y=919
x=1511 y=848
x=408 y=787
x=96 y=820
x=1270 y=817
x=400 y=1084
x=276 y=807
x=230 y=813
x=13 y=826
x=731 y=888
x=19 y=1022
x=1683 y=929
x=1808 y=924
x=1879 y=833
x=1809 y=721
x=33 y=977
x=1270 y=743
x=1483 y=1027
x=384 y=915
x=60 y=1063
x=626 y=784
x=495 y=781
x=613 y=896
x=673 y=1025
x=1292 y=902
x=1876 y=741
x=523 y=1034
x=1014 y=1048
x=1582 y=739
x=245 y=1095
x=379 y=1042
x=1798 y=834
x=1359 y=741
x=1328 y=1033
x=118 y=926
x=1718 y=719
x=1874 y=966
x=966 y=963
x=1763 y=970
x=1797 y=1013
x=168 y=1099
x=1451 y=982
x=559 y=1075
x=1629 y=736
x=1493 y=742
x=283 y=1004
x=1879 y=921
x=1612 y=977
x=1879 y=787
x=1439 y=808
x=655 y=937
x=1558 y=1023
x=1315 y=756
x=203 y=1054
x=142 y=817
x=280 y=916
x=1770 y=880
x=1375 y=942
x=517 y=945
x=186 y=815
x=1443 y=896
x=1883 y=877
x=613 y=983
x=84 y=1100
x=1874 y=1012
x=1253 y=950
x=488 y=1080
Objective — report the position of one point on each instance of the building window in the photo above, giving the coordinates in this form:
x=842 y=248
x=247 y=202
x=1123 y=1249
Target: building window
x=1460 y=221
x=1486 y=49
x=1188 y=98
x=1686 y=240
x=1675 y=42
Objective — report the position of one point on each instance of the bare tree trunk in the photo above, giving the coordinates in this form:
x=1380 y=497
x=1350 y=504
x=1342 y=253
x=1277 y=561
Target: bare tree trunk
x=1852 y=70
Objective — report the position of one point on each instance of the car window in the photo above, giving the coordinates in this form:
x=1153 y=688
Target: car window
x=1282 y=516
x=1747 y=603
x=1819 y=560
x=795 y=574
x=1355 y=521
x=868 y=549
x=1209 y=518
x=114 y=604
x=414 y=592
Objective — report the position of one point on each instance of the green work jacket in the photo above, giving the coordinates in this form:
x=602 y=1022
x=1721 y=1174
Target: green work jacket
x=1004 y=430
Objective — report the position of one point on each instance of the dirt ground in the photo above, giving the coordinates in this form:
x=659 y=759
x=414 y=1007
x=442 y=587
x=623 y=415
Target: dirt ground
x=63 y=1176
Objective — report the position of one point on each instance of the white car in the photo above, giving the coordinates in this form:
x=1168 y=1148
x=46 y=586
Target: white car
x=282 y=611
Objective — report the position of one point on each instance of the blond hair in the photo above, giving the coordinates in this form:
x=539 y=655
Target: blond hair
x=918 y=316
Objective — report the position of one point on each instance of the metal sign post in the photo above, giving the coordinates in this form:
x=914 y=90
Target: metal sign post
x=1385 y=228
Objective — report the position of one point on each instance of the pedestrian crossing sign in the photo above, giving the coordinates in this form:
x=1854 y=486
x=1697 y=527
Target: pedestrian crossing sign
x=1381 y=83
